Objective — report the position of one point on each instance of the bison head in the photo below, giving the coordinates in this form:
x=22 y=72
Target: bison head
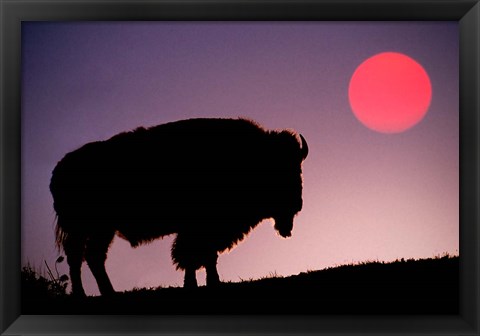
x=287 y=180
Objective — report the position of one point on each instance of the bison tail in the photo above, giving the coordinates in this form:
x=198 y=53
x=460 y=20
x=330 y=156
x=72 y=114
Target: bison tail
x=60 y=234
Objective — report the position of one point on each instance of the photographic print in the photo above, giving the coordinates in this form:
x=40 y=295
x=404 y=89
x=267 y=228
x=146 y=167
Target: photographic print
x=187 y=167
x=240 y=164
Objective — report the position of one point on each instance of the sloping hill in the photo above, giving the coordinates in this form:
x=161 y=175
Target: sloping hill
x=425 y=286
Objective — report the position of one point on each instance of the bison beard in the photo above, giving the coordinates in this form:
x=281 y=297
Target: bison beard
x=210 y=181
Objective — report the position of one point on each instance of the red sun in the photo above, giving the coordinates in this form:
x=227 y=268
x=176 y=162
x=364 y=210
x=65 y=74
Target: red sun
x=390 y=92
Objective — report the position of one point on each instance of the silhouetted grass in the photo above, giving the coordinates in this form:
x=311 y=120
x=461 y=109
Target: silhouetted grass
x=425 y=286
x=38 y=285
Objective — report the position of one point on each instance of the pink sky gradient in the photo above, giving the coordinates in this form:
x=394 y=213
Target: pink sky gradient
x=367 y=195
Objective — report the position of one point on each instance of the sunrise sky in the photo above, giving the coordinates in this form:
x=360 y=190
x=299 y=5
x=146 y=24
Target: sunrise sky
x=367 y=195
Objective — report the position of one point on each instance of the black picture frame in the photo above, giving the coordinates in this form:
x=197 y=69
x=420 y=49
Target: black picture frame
x=13 y=12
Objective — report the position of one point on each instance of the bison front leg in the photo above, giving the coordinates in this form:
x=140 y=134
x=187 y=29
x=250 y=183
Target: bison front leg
x=211 y=268
x=210 y=260
x=191 y=252
x=190 y=280
x=184 y=255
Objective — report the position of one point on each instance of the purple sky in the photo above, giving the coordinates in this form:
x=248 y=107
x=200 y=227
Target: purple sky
x=367 y=195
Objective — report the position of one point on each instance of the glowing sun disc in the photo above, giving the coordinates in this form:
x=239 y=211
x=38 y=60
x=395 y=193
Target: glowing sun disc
x=390 y=92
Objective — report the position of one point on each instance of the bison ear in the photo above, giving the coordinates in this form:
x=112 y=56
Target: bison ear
x=304 y=147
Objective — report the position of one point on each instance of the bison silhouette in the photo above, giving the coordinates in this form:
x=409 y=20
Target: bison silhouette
x=210 y=181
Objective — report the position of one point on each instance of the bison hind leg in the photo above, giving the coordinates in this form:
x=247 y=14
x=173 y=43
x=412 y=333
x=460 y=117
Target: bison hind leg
x=74 y=247
x=96 y=255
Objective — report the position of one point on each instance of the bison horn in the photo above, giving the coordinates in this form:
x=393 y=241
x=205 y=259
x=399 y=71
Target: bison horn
x=304 y=147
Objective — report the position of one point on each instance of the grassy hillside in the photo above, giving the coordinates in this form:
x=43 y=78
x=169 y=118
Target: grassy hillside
x=425 y=286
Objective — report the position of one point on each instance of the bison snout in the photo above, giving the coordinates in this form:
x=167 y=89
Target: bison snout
x=284 y=226
x=285 y=234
